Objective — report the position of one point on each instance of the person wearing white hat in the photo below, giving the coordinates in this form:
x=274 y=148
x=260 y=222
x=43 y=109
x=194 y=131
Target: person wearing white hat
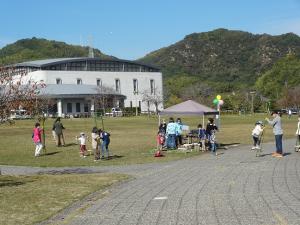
x=82 y=139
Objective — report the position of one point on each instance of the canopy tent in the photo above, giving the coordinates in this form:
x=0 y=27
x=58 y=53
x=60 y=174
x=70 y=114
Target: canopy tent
x=189 y=107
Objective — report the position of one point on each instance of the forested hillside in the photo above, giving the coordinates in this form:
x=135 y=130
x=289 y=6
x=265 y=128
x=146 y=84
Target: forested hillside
x=36 y=48
x=222 y=55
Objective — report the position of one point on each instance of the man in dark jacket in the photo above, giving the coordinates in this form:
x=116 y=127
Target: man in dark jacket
x=58 y=128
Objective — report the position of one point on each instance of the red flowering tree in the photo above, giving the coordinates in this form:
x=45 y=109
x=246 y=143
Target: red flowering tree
x=15 y=92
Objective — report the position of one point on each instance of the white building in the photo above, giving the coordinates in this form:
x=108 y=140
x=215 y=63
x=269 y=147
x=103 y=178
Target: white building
x=77 y=83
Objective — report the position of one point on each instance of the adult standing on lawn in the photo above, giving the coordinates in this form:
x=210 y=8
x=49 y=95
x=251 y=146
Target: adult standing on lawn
x=171 y=134
x=178 y=132
x=37 y=139
x=58 y=128
x=278 y=132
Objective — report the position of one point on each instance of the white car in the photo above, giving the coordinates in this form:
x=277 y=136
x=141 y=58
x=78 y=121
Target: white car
x=115 y=112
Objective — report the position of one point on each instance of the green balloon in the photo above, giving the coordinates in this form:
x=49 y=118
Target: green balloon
x=215 y=101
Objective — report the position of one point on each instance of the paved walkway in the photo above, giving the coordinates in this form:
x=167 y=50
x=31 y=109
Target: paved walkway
x=232 y=188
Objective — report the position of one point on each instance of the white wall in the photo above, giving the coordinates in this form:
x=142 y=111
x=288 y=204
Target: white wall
x=108 y=80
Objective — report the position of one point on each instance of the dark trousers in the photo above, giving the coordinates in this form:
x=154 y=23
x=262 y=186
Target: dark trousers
x=278 y=141
x=178 y=140
x=256 y=141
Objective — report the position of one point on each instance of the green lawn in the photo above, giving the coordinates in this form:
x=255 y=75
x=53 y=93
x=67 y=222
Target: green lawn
x=31 y=199
x=132 y=139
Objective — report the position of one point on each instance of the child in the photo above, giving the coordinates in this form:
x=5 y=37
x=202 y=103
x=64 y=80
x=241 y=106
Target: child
x=82 y=138
x=36 y=136
x=160 y=138
x=105 y=136
x=202 y=136
x=213 y=143
x=256 y=134
x=95 y=143
x=209 y=128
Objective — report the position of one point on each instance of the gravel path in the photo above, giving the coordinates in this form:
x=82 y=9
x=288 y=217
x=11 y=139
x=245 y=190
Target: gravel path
x=234 y=187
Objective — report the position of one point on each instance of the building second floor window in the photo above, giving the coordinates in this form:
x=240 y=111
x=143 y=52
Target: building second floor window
x=152 y=87
x=58 y=81
x=118 y=85
x=135 y=86
x=79 y=81
x=99 y=83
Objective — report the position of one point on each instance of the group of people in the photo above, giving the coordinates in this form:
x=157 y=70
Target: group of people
x=258 y=130
x=100 y=140
x=169 y=135
x=57 y=132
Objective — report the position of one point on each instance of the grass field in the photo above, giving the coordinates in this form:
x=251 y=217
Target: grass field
x=132 y=139
x=31 y=199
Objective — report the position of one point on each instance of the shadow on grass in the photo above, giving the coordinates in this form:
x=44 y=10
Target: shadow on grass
x=70 y=144
x=12 y=182
x=114 y=157
x=50 y=153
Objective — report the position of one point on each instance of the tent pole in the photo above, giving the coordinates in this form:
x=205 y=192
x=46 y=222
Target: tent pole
x=203 y=120
x=158 y=119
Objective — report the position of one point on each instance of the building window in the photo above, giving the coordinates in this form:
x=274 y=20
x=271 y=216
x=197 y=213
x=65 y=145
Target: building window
x=69 y=107
x=78 y=107
x=135 y=86
x=118 y=88
x=140 y=104
x=58 y=81
x=152 y=87
x=79 y=81
x=99 y=83
x=86 y=108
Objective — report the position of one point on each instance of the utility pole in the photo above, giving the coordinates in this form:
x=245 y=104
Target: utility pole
x=252 y=101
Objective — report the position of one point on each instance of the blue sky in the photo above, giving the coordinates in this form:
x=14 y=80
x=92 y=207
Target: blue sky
x=129 y=29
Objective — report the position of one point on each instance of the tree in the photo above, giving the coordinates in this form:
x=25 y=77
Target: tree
x=152 y=98
x=15 y=93
x=105 y=97
x=290 y=98
x=285 y=72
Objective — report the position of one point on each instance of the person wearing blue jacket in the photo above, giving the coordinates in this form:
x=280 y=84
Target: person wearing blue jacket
x=105 y=136
x=171 y=134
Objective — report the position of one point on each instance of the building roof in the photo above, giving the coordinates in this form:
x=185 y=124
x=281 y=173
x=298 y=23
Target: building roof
x=73 y=90
x=52 y=62
x=45 y=62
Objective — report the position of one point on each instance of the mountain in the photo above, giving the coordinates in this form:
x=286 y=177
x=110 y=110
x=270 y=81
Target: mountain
x=223 y=56
x=37 y=48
